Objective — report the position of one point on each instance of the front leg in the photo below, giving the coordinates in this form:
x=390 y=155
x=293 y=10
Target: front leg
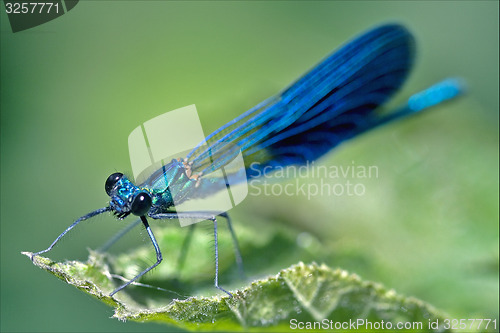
x=159 y=257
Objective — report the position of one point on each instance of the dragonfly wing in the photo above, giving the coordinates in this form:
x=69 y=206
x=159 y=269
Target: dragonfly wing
x=329 y=104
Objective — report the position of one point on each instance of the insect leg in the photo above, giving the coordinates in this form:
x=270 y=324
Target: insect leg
x=83 y=218
x=212 y=217
x=214 y=220
x=159 y=257
x=236 y=246
x=208 y=215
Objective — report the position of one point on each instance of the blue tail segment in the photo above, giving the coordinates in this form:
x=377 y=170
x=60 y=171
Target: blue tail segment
x=436 y=94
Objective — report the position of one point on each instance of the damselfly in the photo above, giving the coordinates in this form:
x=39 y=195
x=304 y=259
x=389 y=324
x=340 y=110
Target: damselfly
x=337 y=100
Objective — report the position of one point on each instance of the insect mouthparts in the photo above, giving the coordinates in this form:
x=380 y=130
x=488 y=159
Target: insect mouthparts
x=121 y=215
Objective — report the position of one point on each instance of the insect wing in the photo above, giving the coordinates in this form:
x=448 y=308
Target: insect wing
x=329 y=104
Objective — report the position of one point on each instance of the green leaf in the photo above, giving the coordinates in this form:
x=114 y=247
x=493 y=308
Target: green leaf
x=299 y=294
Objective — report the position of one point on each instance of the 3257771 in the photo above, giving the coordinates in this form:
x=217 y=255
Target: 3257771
x=31 y=7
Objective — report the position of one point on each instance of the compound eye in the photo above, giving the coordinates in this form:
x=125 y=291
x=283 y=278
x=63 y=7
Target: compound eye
x=111 y=181
x=141 y=204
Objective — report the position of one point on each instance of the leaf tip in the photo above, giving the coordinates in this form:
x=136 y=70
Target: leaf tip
x=27 y=253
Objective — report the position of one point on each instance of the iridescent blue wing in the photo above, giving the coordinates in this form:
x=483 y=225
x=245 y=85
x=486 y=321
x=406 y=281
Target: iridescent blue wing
x=329 y=104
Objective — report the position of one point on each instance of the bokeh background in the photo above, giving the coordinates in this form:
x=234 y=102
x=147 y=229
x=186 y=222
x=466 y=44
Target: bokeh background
x=74 y=88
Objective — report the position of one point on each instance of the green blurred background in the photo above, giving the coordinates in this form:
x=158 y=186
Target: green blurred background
x=74 y=88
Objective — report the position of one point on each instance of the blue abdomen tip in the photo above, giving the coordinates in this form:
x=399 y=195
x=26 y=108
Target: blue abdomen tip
x=438 y=93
